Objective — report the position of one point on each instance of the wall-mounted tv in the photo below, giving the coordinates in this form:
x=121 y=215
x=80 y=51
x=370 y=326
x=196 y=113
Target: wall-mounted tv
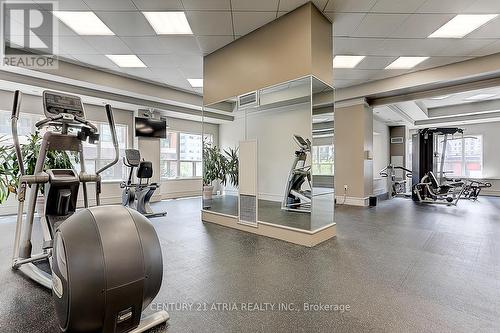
x=152 y=128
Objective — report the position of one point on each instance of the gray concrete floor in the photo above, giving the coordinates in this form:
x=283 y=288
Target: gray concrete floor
x=401 y=267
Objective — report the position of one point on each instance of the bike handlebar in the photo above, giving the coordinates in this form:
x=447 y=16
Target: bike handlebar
x=15 y=136
x=111 y=122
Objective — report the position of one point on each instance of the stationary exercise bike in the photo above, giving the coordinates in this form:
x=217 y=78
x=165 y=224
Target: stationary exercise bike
x=103 y=264
x=297 y=198
x=143 y=190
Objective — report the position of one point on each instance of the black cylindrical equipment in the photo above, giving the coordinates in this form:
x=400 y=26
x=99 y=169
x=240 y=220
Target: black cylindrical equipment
x=107 y=267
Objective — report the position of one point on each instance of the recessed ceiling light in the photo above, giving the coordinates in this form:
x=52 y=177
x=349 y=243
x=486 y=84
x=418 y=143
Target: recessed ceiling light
x=169 y=23
x=196 y=83
x=462 y=25
x=441 y=97
x=479 y=97
x=126 y=60
x=84 y=23
x=406 y=62
x=346 y=61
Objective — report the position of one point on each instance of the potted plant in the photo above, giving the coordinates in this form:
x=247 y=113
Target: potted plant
x=7 y=172
x=231 y=167
x=213 y=169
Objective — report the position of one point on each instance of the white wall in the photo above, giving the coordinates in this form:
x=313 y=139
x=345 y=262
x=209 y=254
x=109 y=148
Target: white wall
x=381 y=155
x=273 y=130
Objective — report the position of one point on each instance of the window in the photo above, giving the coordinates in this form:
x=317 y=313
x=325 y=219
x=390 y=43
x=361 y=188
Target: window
x=181 y=154
x=25 y=124
x=102 y=153
x=96 y=156
x=322 y=160
x=463 y=158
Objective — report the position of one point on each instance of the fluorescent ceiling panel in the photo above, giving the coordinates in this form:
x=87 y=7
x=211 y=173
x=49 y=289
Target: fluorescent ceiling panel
x=438 y=98
x=169 y=23
x=462 y=25
x=346 y=61
x=479 y=97
x=406 y=62
x=126 y=60
x=84 y=23
x=196 y=83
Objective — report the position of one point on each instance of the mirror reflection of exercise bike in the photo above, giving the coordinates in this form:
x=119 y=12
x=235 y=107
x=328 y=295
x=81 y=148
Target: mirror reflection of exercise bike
x=298 y=192
x=396 y=183
x=138 y=196
x=104 y=263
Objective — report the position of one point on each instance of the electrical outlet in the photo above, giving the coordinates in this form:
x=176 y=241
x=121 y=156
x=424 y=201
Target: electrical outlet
x=345 y=187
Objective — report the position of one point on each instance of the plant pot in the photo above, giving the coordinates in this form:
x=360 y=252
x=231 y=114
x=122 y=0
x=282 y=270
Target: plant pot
x=207 y=195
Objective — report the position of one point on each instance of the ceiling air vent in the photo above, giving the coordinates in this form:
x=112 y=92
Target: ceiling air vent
x=248 y=100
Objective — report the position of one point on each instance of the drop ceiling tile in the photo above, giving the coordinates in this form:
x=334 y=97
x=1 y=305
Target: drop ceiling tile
x=289 y=5
x=464 y=47
x=187 y=60
x=379 y=25
x=391 y=6
x=353 y=74
x=489 y=30
x=191 y=72
x=245 y=22
x=375 y=62
x=96 y=60
x=146 y=45
x=421 y=25
x=159 y=60
x=180 y=45
x=127 y=23
x=207 y=4
x=255 y=5
x=137 y=72
x=413 y=47
x=350 y=6
x=438 y=61
x=483 y=7
x=209 y=44
x=386 y=73
x=345 y=23
x=206 y=23
x=67 y=4
x=111 y=5
x=488 y=49
x=444 y=6
x=75 y=46
x=107 y=44
x=358 y=46
x=158 y=4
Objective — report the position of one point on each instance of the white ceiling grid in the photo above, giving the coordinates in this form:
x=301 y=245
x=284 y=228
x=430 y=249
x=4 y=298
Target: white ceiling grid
x=380 y=29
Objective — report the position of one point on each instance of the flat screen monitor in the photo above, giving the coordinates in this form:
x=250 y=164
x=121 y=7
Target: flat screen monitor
x=152 y=128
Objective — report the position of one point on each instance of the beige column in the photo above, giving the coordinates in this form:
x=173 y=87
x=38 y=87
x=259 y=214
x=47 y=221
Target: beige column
x=353 y=154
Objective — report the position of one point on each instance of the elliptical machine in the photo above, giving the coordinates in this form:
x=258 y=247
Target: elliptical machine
x=296 y=198
x=396 y=185
x=142 y=191
x=104 y=263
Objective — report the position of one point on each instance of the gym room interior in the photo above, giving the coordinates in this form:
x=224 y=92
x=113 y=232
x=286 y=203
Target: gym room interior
x=249 y=166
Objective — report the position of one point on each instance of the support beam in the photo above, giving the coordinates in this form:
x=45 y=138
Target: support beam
x=463 y=76
x=473 y=118
x=466 y=108
x=112 y=96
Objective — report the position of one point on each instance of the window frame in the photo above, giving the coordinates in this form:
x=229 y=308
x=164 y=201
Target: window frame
x=463 y=161
x=178 y=161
